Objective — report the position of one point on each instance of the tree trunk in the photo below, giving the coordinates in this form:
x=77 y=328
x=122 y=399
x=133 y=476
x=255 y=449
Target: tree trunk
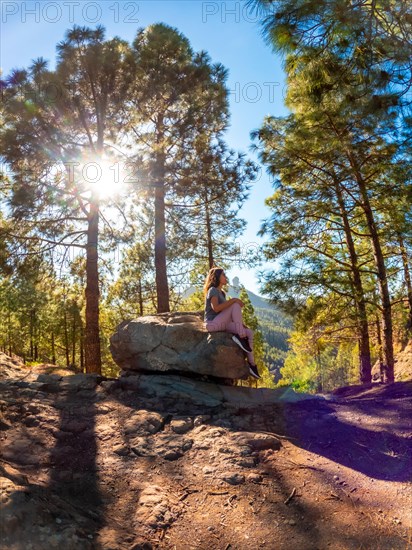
x=380 y=353
x=66 y=337
x=208 y=232
x=53 y=349
x=36 y=338
x=365 y=368
x=407 y=277
x=81 y=347
x=140 y=297
x=74 y=338
x=9 y=328
x=162 y=287
x=387 y=329
x=31 y=334
x=319 y=385
x=93 y=361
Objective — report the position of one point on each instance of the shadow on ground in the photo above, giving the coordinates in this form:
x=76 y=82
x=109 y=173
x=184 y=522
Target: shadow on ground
x=363 y=429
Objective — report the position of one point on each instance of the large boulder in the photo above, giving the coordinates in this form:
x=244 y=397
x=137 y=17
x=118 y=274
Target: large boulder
x=176 y=342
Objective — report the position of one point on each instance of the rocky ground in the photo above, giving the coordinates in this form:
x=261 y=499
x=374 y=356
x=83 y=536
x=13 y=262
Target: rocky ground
x=89 y=463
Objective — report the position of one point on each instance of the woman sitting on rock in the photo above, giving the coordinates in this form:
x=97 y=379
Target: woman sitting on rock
x=226 y=315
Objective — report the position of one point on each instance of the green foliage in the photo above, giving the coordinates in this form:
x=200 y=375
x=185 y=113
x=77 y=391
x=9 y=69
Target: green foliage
x=214 y=184
x=275 y=328
x=40 y=316
x=313 y=365
x=195 y=302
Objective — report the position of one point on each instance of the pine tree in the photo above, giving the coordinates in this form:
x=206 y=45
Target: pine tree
x=48 y=140
x=172 y=99
x=212 y=189
x=311 y=226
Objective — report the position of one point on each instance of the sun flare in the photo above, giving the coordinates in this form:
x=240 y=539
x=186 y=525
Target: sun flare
x=104 y=177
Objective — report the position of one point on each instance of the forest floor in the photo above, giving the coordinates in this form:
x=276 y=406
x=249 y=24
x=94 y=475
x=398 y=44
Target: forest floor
x=89 y=465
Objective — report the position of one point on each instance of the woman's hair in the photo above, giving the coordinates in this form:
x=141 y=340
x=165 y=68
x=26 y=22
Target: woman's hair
x=212 y=279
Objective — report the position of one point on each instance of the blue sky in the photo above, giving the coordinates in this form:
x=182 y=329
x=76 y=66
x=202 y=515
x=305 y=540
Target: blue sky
x=228 y=31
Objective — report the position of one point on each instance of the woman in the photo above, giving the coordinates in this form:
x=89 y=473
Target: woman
x=226 y=315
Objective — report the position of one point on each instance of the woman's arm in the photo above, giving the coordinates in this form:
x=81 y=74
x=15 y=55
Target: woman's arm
x=217 y=308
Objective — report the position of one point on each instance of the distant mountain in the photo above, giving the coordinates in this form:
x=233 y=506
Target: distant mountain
x=257 y=301
x=265 y=311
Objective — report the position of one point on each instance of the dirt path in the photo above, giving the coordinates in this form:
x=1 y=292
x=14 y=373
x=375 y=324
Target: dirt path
x=89 y=465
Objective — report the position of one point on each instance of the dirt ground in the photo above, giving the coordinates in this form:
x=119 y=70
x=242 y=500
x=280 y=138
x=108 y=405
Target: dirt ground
x=87 y=464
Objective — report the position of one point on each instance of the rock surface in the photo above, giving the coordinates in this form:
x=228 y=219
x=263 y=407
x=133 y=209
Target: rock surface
x=176 y=342
x=181 y=389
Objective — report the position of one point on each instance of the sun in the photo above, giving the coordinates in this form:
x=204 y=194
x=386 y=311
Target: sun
x=104 y=177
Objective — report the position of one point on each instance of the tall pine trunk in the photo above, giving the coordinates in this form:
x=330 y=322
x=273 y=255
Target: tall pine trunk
x=53 y=348
x=380 y=352
x=93 y=362
x=141 y=305
x=365 y=367
x=162 y=286
x=387 y=330
x=37 y=328
x=32 y=314
x=81 y=346
x=209 y=239
x=9 y=328
x=74 y=338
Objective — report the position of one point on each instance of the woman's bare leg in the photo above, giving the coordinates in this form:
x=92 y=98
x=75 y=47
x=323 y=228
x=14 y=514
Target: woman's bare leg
x=230 y=320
